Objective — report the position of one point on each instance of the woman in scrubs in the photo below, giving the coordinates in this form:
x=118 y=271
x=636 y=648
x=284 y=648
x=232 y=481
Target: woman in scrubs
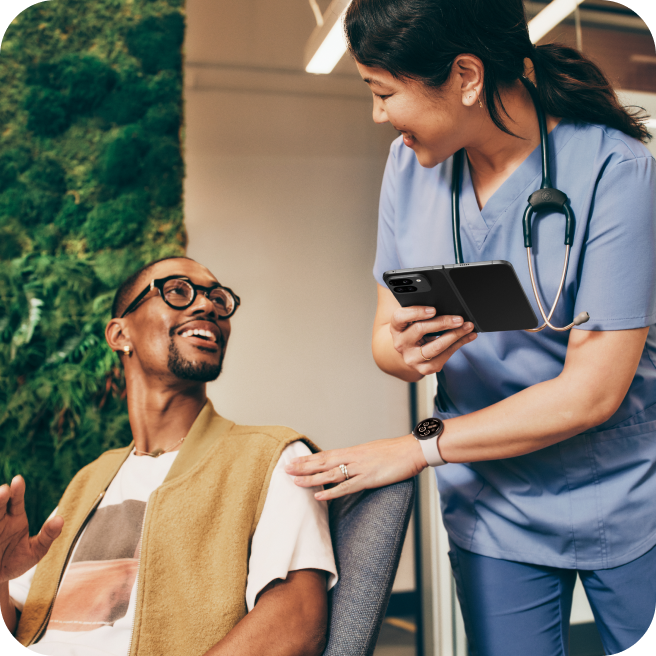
x=550 y=437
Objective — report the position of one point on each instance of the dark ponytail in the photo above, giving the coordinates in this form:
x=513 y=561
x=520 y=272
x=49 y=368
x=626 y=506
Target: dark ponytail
x=420 y=39
x=571 y=86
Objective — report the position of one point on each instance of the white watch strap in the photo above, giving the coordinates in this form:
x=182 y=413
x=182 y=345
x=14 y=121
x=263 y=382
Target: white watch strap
x=431 y=452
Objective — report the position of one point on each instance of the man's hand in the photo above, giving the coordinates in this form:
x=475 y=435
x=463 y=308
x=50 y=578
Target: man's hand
x=18 y=551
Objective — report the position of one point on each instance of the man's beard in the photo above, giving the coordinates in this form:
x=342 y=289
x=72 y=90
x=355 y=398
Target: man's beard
x=199 y=371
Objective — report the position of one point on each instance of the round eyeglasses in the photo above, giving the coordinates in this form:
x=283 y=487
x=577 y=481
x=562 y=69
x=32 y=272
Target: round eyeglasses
x=179 y=293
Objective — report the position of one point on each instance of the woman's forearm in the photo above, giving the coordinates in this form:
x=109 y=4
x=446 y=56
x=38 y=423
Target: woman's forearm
x=388 y=358
x=598 y=371
x=532 y=419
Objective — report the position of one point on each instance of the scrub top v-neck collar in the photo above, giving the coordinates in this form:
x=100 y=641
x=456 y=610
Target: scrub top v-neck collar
x=521 y=183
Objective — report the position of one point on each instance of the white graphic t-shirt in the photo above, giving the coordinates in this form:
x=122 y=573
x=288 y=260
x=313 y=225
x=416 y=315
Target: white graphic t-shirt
x=93 y=613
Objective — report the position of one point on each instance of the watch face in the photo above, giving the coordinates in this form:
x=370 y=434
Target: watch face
x=428 y=428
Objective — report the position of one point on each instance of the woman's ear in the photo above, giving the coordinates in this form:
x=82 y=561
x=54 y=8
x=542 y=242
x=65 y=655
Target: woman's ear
x=469 y=72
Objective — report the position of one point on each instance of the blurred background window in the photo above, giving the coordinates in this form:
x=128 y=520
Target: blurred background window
x=614 y=37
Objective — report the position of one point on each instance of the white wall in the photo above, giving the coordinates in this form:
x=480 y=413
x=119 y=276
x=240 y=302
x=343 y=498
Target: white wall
x=648 y=102
x=281 y=198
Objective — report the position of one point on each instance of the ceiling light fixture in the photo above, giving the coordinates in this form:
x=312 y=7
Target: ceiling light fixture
x=327 y=43
x=317 y=12
x=553 y=14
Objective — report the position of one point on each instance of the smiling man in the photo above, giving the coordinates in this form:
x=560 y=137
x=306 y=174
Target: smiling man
x=190 y=541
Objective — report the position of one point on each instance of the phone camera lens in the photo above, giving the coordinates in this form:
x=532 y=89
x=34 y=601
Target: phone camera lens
x=402 y=281
x=405 y=289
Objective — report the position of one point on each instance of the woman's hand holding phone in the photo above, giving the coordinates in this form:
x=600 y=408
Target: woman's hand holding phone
x=402 y=334
x=410 y=328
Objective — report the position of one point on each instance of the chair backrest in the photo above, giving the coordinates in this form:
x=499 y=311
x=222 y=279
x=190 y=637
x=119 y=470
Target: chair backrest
x=368 y=529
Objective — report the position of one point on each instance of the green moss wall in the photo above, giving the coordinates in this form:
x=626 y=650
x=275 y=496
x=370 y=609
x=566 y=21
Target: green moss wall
x=91 y=176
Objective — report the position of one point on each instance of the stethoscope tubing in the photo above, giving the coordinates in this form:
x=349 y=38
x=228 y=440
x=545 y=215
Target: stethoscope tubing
x=455 y=205
x=537 y=297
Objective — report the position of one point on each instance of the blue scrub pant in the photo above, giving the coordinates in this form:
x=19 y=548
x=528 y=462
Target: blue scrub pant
x=517 y=609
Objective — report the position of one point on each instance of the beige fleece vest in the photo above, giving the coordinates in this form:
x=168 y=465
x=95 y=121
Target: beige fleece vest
x=196 y=540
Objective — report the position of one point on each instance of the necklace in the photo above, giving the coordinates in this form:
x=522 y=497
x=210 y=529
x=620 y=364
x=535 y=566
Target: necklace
x=158 y=452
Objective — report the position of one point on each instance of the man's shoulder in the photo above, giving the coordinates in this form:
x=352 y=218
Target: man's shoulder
x=212 y=428
x=274 y=435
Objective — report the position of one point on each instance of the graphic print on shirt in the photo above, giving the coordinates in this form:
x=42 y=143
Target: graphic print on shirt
x=96 y=589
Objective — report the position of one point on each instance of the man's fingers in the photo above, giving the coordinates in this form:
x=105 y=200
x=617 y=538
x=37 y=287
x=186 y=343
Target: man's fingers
x=53 y=527
x=5 y=494
x=16 y=504
x=47 y=535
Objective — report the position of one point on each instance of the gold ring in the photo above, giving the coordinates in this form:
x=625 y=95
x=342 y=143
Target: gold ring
x=344 y=471
x=423 y=356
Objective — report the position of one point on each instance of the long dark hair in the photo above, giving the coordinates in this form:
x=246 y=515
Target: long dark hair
x=420 y=39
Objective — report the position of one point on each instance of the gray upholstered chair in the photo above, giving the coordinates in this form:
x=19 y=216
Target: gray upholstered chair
x=368 y=530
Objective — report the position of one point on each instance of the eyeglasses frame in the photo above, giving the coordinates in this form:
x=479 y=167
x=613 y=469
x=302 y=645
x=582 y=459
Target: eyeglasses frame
x=159 y=284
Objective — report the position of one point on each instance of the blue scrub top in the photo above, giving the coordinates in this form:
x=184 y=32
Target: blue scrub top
x=588 y=502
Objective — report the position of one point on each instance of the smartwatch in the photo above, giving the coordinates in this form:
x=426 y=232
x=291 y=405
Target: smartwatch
x=427 y=432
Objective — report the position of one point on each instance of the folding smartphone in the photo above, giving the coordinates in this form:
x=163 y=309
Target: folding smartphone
x=488 y=294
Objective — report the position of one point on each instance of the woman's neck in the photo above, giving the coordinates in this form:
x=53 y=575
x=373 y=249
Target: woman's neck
x=494 y=155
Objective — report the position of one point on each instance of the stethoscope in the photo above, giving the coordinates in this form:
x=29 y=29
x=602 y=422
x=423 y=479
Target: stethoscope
x=545 y=198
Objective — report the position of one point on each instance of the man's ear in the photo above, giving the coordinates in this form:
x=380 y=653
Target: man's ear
x=471 y=74
x=117 y=335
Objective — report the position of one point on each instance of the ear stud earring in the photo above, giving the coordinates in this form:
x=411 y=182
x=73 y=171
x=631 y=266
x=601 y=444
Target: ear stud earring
x=127 y=350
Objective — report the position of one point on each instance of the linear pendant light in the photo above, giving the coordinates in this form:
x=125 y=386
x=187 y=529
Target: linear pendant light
x=327 y=42
x=553 y=14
